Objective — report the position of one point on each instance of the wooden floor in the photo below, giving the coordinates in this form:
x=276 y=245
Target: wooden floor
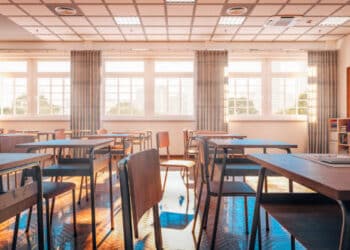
x=176 y=220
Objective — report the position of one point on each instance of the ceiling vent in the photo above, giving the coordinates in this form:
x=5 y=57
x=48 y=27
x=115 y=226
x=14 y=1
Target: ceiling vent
x=65 y=10
x=282 y=21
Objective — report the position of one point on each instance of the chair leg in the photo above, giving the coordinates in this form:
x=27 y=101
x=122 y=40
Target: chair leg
x=8 y=181
x=259 y=233
x=204 y=220
x=80 y=189
x=74 y=213
x=157 y=228
x=53 y=203
x=96 y=179
x=48 y=227
x=86 y=189
x=15 y=232
x=216 y=220
x=187 y=185
x=166 y=175
x=197 y=208
x=246 y=214
x=29 y=219
x=267 y=223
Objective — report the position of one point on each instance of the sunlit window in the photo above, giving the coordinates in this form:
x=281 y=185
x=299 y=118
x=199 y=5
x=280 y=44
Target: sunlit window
x=173 y=66
x=54 y=96
x=289 y=67
x=13 y=66
x=13 y=99
x=173 y=96
x=53 y=66
x=124 y=66
x=245 y=66
x=124 y=96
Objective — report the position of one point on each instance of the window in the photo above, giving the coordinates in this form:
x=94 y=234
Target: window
x=289 y=88
x=267 y=89
x=13 y=66
x=54 y=96
x=124 y=96
x=124 y=88
x=53 y=88
x=13 y=96
x=173 y=88
x=174 y=96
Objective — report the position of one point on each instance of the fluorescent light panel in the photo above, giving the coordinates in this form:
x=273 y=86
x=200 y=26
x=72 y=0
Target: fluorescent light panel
x=127 y=20
x=231 y=20
x=334 y=21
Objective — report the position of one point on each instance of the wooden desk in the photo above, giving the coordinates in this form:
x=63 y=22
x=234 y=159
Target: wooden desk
x=311 y=218
x=80 y=167
x=123 y=137
x=23 y=197
x=137 y=137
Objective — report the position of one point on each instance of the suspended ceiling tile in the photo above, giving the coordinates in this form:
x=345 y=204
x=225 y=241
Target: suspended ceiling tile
x=38 y=30
x=341 y=31
x=200 y=37
x=242 y=1
x=308 y=37
x=294 y=9
x=70 y=37
x=26 y=1
x=92 y=37
x=243 y=37
x=88 y=1
x=208 y=10
x=202 y=21
x=296 y=30
x=344 y=11
x=85 y=30
x=61 y=30
x=255 y=21
x=330 y=37
x=321 y=30
x=249 y=30
x=287 y=37
x=334 y=1
x=135 y=37
x=48 y=37
x=150 y=1
x=94 y=10
x=226 y=30
x=24 y=21
x=57 y=1
x=151 y=10
x=131 y=30
x=272 y=1
x=273 y=30
x=113 y=37
x=303 y=1
x=309 y=21
x=76 y=21
x=265 y=37
x=153 y=21
x=202 y=30
x=322 y=10
x=179 y=21
x=156 y=30
x=118 y=1
x=102 y=21
x=180 y=10
x=179 y=30
x=157 y=37
x=222 y=37
x=11 y=10
x=123 y=10
x=108 y=30
x=265 y=10
x=50 y=21
x=37 y=10
x=178 y=37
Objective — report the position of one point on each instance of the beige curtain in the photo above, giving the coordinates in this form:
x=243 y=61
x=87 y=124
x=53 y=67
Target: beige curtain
x=85 y=90
x=322 y=97
x=211 y=82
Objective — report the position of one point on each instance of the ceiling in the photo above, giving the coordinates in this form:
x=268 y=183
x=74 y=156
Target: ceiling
x=160 y=21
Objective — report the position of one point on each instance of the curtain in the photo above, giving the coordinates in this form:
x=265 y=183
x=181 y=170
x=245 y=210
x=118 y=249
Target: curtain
x=211 y=82
x=85 y=91
x=322 y=97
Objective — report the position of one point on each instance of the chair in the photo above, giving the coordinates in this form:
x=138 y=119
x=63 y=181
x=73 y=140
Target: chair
x=185 y=165
x=190 y=150
x=50 y=191
x=229 y=189
x=140 y=185
x=101 y=131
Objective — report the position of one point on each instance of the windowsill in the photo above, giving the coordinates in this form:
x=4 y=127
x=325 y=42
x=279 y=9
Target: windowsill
x=150 y=119
x=34 y=118
x=268 y=119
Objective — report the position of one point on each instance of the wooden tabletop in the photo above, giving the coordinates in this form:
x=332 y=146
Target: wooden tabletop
x=74 y=143
x=11 y=160
x=330 y=181
x=250 y=143
x=220 y=136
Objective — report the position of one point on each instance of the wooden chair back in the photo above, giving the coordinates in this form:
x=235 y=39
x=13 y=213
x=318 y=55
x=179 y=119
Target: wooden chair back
x=10 y=131
x=163 y=141
x=101 y=131
x=203 y=159
x=186 y=140
x=59 y=134
x=140 y=184
x=8 y=142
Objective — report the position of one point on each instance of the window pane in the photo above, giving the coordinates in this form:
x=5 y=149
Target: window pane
x=173 y=96
x=53 y=66
x=174 y=66
x=54 y=96
x=288 y=66
x=244 y=96
x=124 y=66
x=13 y=96
x=124 y=96
x=289 y=96
x=244 y=66
x=13 y=66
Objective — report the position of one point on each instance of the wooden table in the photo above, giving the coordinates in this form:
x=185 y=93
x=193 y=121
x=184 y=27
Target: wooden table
x=122 y=137
x=220 y=136
x=80 y=167
x=318 y=220
x=241 y=144
x=134 y=135
x=24 y=197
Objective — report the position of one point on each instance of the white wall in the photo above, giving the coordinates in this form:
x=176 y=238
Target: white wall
x=343 y=46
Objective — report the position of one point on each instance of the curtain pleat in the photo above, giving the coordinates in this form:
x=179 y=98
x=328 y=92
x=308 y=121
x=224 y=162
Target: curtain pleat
x=323 y=102
x=211 y=80
x=85 y=90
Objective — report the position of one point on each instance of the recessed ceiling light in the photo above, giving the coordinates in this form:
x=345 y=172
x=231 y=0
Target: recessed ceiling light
x=236 y=11
x=65 y=11
x=231 y=20
x=180 y=1
x=334 y=21
x=127 y=20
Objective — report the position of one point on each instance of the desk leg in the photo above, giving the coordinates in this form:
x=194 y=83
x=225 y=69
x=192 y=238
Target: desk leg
x=111 y=191
x=93 y=212
x=344 y=243
x=39 y=207
x=256 y=217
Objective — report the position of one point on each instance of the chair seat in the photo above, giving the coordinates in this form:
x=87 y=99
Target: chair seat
x=233 y=188
x=52 y=189
x=178 y=163
x=68 y=169
x=192 y=151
